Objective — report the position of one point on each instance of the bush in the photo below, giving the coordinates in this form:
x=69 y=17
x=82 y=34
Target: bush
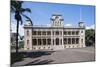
x=90 y=37
x=21 y=44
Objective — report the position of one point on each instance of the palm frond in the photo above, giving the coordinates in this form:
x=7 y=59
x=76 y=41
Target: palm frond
x=25 y=10
x=29 y=19
x=21 y=21
x=16 y=4
x=12 y=9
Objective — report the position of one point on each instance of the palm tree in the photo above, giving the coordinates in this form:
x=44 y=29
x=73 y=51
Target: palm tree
x=16 y=8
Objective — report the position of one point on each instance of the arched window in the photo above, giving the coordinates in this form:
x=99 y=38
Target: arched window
x=34 y=41
x=57 y=41
x=69 y=40
x=48 y=32
x=44 y=32
x=48 y=41
x=44 y=41
x=57 y=32
x=81 y=40
x=77 y=32
x=65 y=32
x=73 y=40
x=77 y=40
x=73 y=32
x=39 y=32
x=69 y=32
x=27 y=42
x=27 y=32
x=65 y=40
x=39 y=41
x=34 y=32
x=81 y=31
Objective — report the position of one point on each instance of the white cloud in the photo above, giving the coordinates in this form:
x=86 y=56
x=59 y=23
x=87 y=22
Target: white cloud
x=48 y=25
x=90 y=27
x=68 y=25
x=13 y=28
x=21 y=30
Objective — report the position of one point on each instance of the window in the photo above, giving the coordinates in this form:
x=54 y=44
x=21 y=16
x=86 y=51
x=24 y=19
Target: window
x=39 y=32
x=65 y=40
x=69 y=32
x=65 y=32
x=73 y=40
x=77 y=32
x=77 y=40
x=34 y=32
x=81 y=31
x=69 y=40
x=57 y=41
x=73 y=32
x=49 y=41
x=27 y=32
x=44 y=41
x=53 y=33
x=39 y=41
x=53 y=41
x=81 y=40
x=34 y=41
x=44 y=32
x=27 y=42
x=57 y=32
x=48 y=32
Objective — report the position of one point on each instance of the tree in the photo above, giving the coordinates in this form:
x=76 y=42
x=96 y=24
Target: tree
x=90 y=37
x=16 y=8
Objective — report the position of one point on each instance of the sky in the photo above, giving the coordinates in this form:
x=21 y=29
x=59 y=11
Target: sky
x=42 y=12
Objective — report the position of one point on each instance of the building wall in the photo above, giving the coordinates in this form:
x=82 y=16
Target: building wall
x=28 y=39
x=53 y=36
x=57 y=42
x=82 y=38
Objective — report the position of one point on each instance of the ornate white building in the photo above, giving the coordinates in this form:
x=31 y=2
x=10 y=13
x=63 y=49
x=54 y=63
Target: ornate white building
x=53 y=37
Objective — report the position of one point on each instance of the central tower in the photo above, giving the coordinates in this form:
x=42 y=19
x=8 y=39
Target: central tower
x=57 y=20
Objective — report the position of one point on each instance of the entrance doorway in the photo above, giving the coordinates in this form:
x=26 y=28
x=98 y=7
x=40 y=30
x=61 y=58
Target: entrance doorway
x=57 y=41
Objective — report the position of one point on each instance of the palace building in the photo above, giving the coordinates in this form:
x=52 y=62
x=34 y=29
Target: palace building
x=53 y=37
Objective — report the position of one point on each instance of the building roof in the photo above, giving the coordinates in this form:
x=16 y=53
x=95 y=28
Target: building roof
x=50 y=27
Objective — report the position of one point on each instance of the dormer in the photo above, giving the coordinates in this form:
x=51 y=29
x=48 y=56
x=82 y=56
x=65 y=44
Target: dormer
x=28 y=23
x=56 y=20
x=81 y=24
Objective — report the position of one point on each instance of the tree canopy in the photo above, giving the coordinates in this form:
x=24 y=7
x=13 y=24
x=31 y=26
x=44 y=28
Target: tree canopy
x=90 y=37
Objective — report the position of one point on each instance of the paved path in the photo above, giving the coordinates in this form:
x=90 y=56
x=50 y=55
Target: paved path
x=61 y=56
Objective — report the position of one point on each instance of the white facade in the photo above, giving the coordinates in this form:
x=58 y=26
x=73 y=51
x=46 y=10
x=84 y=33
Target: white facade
x=55 y=37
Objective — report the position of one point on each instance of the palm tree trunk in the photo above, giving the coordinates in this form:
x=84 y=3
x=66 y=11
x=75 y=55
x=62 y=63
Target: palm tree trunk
x=17 y=28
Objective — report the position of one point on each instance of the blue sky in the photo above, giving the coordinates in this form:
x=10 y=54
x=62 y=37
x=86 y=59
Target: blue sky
x=42 y=12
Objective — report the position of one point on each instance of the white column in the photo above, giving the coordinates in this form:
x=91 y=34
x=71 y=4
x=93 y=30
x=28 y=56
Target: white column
x=51 y=38
x=54 y=38
x=75 y=40
x=30 y=39
x=60 y=41
x=62 y=38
